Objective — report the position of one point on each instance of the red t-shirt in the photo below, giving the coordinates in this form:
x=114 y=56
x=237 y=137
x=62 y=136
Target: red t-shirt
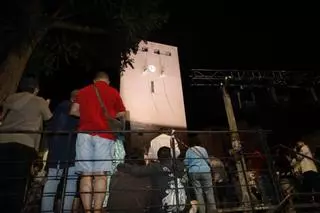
x=91 y=113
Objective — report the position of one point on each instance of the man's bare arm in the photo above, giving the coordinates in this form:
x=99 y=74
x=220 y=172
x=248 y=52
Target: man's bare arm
x=75 y=109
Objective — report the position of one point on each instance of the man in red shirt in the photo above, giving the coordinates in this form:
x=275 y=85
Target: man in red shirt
x=94 y=151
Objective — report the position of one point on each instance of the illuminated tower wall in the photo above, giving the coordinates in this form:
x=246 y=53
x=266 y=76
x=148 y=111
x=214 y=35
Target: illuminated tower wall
x=152 y=90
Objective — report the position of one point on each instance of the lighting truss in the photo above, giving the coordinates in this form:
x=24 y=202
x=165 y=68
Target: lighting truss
x=254 y=78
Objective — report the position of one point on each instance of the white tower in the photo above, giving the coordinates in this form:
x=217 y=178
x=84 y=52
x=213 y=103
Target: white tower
x=152 y=90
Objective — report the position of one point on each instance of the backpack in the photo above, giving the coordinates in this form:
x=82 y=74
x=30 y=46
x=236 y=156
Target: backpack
x=119 y=154
x=169 y=202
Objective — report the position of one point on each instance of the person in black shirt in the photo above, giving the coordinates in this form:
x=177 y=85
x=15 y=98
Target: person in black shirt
x=161 y=174
x=137 y=189
x=61 y=157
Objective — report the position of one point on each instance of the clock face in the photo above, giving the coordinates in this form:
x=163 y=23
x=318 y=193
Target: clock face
x=151 y=68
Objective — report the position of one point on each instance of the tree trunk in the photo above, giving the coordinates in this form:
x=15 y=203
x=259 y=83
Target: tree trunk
x=11 y=71
x=12 y=68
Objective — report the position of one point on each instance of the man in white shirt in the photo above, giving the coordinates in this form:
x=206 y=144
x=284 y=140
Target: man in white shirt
x=163 y=140
x=307 y=166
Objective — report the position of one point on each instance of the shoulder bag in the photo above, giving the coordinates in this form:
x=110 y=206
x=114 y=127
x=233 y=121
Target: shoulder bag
x=197 y=151
x=114 y=124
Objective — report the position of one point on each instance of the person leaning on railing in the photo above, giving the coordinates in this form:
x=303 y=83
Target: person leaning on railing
x=308 y=169
x=199 y=170
x=129 y=193
x=94 y=150
x=22 y=111
x=61 y=157
x=163 y=174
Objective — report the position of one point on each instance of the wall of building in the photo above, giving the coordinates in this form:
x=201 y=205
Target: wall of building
x=154 y=99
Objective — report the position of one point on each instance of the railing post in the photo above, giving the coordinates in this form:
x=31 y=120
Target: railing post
x=244 y=171
x=65 y=174
x=270 y=165
x=236 y=146
x=174 y=167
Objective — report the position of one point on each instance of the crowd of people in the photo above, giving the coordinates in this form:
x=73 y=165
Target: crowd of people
x=160 y=178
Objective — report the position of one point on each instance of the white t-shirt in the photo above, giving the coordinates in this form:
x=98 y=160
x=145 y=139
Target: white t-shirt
x=161 y=141
x=306 y=164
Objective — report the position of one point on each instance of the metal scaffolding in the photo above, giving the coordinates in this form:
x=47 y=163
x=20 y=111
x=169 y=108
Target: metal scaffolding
x=255 y=78
x=225 y=79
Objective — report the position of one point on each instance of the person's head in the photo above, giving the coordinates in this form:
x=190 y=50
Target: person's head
x=165 y=130
x=194 y=140
x=300 y=144
x=164 y=154
x=73 y=95
x=135 y=157
x=30 y=85
x=102 y=76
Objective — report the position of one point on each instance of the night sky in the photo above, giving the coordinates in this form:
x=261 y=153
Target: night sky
x=211 y=34
x=214 y=35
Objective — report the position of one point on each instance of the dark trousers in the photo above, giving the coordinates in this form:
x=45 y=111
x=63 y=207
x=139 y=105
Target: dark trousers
x=310 y=183
x=15 y=163
x=221 y=194
x=266 y=189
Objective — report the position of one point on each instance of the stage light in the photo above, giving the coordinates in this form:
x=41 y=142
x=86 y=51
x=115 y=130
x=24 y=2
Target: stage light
x=150 y=68
x=144 y=49
x=167 y=53
x=156 y=51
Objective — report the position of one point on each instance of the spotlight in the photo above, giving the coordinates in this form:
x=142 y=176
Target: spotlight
x=150 y=68
x=144 y=49
x=167 y=53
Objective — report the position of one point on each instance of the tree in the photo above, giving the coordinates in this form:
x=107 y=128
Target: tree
x=122 y=23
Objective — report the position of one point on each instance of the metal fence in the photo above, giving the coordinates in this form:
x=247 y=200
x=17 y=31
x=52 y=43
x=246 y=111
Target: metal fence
x=260 y=189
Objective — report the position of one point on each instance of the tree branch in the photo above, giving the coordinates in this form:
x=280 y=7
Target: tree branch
x=78 y=28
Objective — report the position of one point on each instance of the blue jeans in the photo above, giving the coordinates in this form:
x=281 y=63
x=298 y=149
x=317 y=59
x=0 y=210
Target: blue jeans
x=202 y=184
x=50 y=189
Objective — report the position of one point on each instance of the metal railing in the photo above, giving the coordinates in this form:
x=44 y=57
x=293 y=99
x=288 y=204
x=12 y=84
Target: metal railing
x=292 y=207
x=316 y=161
x=212 y=141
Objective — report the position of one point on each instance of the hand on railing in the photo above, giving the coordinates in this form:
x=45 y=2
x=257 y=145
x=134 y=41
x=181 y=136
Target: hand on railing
x=299 y=154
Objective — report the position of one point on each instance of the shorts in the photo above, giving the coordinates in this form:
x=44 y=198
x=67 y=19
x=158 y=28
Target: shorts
x=93 y=154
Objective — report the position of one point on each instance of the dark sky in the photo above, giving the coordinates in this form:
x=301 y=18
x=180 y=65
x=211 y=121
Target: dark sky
x=213 y=34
